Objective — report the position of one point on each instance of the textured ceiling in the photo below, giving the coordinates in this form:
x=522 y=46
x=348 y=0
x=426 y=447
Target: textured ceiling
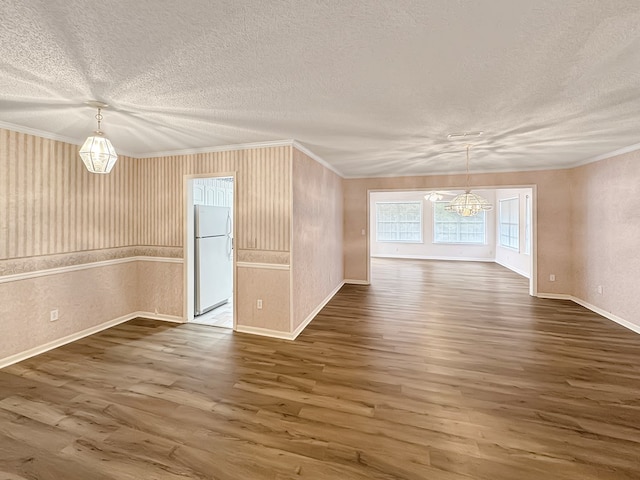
x=372 y=87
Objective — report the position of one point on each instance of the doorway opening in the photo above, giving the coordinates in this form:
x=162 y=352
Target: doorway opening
x=413 y=224
x=209 y=246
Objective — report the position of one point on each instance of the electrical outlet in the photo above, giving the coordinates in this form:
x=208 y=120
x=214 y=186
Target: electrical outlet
x=259 y=304
x=600 y=289
x=363 y=232
x=53 y=315
x=552 y=278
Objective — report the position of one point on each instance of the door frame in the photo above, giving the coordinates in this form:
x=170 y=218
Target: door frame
x=189 y=243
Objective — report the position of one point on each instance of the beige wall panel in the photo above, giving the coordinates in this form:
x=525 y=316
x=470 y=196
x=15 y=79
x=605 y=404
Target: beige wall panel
x=160 y=288
x=84 y=298
x=316 y=235
x=606 y=229
x=553 y=214
x=272 y=286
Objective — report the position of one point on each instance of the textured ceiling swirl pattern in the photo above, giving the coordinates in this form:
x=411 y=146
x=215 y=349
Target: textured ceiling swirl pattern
x=371 y=87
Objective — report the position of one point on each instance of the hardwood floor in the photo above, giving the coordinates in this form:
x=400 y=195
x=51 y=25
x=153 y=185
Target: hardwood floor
x=405 y=379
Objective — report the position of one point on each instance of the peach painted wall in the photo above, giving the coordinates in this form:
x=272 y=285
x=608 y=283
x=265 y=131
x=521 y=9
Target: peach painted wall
x=553 y=216
x=25 y=304
x=164 y=297
x=271 y=285
x=317 y=267
x=606 y=229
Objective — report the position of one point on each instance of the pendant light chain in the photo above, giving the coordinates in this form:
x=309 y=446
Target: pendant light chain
x=99 y=119
x=468 y=204
x=468 y=147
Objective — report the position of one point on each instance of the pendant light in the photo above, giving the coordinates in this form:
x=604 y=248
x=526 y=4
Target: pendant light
x=468 y=204
x=97 y=153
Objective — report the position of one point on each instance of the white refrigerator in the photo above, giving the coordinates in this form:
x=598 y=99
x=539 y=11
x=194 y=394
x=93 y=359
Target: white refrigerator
x=214 y=257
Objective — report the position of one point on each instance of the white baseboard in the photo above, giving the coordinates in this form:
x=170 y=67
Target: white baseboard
x=315 y=311
x=351 y=281
x=620 y=321
x=513 y=269
x=159 y=316
x=555 y=296
x=634 y=327
x=265 y=332
x=430 y=257
x=32 y=352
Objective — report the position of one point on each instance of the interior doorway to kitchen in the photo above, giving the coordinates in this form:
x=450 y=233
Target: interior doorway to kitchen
x=210 y=256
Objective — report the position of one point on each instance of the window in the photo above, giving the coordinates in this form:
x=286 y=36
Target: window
x=399 y=222
x=509 y=223
x=449 y=227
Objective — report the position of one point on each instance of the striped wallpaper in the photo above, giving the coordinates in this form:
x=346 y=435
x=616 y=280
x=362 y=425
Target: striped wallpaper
x=262 y=196
x=50 y=204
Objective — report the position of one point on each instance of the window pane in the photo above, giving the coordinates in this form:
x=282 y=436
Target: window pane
x=399 y=222
x=449 y=227
x=510 y=223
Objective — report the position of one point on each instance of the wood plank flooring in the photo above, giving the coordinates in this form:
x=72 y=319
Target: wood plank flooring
x=404 y=379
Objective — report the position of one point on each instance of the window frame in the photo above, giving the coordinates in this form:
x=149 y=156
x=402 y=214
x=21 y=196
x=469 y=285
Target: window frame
x=512 y=227
x=400 y=202
x=527 y=225
x=482 y=214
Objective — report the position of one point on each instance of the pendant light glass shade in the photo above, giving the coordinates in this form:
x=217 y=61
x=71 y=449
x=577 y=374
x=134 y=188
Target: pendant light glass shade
x=96 y=152
x=468 y=204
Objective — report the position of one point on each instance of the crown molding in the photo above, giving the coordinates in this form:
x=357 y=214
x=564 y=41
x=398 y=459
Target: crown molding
x=52 y=136
x=317 y=158
x=296 y=144
x=221 y=148
x=170 y=153
x=604 y=156
x=39 y=133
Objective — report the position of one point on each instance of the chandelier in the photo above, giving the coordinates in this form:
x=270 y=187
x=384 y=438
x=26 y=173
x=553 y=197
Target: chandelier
x=97 y=153
x=468 y=204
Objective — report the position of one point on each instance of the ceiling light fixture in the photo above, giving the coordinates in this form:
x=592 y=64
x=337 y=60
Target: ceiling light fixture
x=456 y=136
x=97 y=153
x=468 y=204
x=437 y=195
